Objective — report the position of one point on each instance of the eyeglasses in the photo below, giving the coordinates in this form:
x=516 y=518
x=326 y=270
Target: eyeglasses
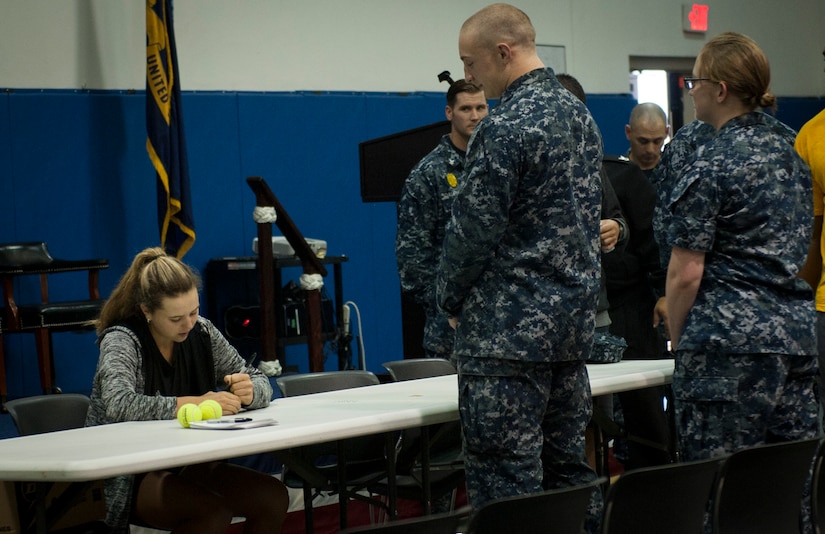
x=690 y=83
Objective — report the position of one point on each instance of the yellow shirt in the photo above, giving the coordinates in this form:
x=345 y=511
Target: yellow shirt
x=810 y=144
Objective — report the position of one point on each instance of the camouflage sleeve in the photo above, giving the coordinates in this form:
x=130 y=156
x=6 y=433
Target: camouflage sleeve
x=675 y=157
x=694 y=204
x=416 y=246
x=480 y=216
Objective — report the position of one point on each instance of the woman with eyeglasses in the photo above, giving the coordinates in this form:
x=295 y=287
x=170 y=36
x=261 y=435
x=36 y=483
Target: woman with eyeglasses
x=741 y=322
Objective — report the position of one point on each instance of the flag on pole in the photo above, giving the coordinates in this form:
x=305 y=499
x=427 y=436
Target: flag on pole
x=165 y=141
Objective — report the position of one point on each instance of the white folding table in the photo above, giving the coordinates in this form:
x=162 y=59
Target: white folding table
x=140 y=446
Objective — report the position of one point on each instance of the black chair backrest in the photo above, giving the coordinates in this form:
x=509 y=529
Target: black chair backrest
x=670 y=498
x=413 y=368
x=432 y=524
x=48 y=413
x=365 y=453
x=760 y=488
x=305 y=384
x=30 y=253
x=446 y=438
x=558 y=511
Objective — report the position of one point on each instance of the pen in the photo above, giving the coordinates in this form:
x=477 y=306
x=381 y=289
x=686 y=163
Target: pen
x=228 y=421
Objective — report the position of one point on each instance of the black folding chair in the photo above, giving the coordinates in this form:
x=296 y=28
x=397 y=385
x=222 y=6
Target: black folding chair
x=760 y=488
x=672 y=498
x=343 y=466
x=558 y=511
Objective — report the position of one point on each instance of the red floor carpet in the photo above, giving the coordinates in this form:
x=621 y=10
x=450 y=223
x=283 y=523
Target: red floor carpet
x=325 y=518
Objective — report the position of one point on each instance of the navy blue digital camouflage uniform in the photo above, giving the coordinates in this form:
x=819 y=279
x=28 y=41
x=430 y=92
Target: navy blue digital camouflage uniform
x=423 y=212
x=520 y=271
x=677 y=154
x=746 y=362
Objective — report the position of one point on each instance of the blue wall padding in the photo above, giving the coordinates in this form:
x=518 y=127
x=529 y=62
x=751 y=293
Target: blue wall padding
x=76 y=175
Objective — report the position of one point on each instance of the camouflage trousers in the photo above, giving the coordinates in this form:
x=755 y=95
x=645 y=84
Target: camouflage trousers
x=724 y=402
x=524 y=425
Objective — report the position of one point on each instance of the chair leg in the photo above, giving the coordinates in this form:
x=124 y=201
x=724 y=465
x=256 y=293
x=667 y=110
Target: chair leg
x=43 y=340
x=308 y=519
x=3 y=388
x=343 y=494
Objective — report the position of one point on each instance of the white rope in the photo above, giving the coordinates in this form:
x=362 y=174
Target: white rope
x=272 y=368
x=362 y=350
x=310 y=282
x=264 y=214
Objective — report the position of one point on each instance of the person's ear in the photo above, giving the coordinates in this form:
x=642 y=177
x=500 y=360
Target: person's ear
x=627 y=131
x=504 y=52
x=723 y=92
x=448 y=112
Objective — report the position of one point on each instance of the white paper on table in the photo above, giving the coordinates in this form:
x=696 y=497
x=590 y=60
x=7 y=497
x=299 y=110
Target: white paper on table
x=232 y=423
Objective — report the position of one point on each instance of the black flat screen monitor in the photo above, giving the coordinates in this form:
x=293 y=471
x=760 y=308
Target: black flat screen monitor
x=386 y=161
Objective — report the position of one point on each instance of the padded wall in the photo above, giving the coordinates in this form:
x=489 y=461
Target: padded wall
x=75 y=174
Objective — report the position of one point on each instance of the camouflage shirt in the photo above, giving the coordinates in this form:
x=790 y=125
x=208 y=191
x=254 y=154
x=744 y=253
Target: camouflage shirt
x=677 y=154
x=521 y=259
x=745 y=201
x=423 y=212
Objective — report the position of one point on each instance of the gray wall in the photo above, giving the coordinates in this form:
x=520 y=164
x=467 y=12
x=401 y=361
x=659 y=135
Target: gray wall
x=377 y=45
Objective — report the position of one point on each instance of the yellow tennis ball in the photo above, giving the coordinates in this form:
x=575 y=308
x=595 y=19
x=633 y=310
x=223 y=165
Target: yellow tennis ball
x=210 y=409
x=189 y=413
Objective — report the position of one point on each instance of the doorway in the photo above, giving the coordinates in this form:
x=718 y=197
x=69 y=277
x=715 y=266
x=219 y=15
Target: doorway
x=661 y=80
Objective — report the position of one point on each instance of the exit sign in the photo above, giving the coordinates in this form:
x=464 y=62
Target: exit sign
x=695 y=18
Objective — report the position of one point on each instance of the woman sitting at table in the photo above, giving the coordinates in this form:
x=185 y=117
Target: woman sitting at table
x=157 y=354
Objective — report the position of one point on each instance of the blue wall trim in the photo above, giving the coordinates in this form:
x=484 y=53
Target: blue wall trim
x=76 y=175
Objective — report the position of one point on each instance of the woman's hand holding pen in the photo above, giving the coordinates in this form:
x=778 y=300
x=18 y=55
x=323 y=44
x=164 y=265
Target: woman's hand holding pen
x=229 y=401
x=241 y=385
x=239 y=392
